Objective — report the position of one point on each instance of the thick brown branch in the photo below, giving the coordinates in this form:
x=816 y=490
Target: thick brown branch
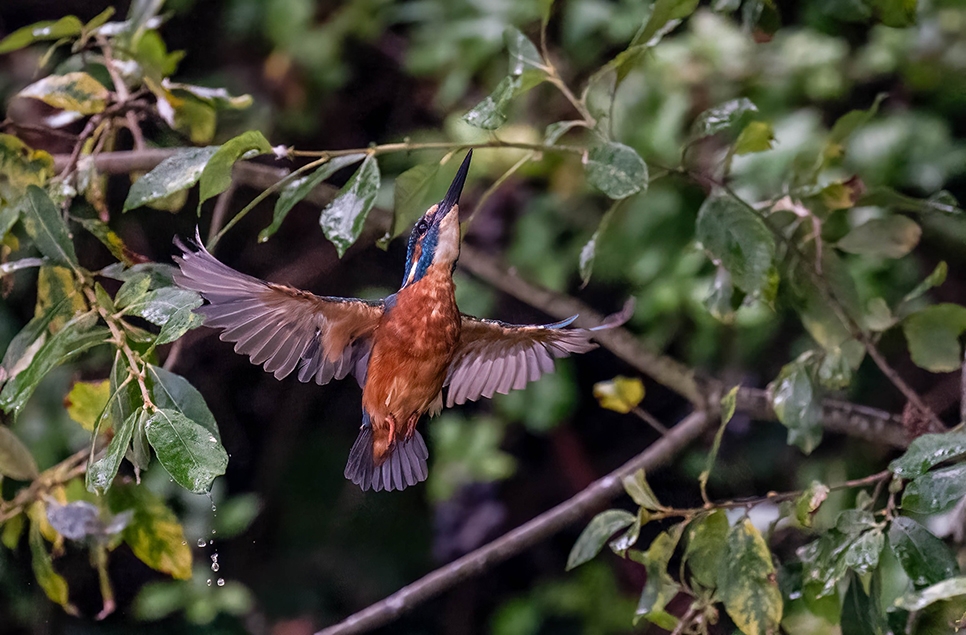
x=524 y=536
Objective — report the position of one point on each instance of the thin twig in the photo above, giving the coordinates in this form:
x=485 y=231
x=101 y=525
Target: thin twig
x=650 y=420
x=495 y=186
x=528 y=534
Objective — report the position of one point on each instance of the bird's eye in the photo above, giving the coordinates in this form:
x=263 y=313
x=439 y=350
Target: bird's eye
x=422 y=225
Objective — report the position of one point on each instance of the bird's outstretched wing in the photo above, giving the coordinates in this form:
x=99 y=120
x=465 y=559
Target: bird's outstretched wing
x=493 y=356
x=279 y=327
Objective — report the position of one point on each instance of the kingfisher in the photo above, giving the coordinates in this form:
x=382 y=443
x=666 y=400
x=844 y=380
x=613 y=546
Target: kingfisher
x=404 y=350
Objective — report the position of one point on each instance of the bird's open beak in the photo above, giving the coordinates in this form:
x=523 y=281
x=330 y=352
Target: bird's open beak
x=452 y=197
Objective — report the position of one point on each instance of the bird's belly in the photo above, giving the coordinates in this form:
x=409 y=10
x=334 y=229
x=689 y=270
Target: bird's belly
x=410 y=357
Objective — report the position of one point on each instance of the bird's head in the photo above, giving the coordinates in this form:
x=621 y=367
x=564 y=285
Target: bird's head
x=436 y=236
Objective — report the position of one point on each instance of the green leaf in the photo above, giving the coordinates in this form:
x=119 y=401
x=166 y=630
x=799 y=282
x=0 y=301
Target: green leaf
x=187 y=450
x=662 y=13
x=593 y=538
x=925 y=558
x=616 y=170
x=933 y=336
x=216 y=175
x=342 y=219
x=834 y=372
x=808 y=503
x=860 y=611
x=757 y=136
x=109 y=238
x=936 y=491
x=411 y=196
x=853 y=120
x=928 y=450
x=86 y=401
x=294 y=191
x=133 y=290
x=918 y=600
x=823 y=562
x=57 y=288
x=524 y=56
x=728 y=404
x=941 y=202
x=896 y=13
x=101 y=473
x=738 y=240
x=218 y=98
x=176 y=173
x=78 y=335
x=16 y=461
x=890 y=237
x=77 y=92
x=180 y=322
x=490 y=113
x=798 y=406
x=173 y=392
x=934 y=279
x=161 y=305
x=747 y=583
x=705 y=551
x=862 y=556
x=49 y=580
x=556 y=130
x=154 y=534
x=67 y=26
x=620 y=394
x=660 y=587
x=640 y=491
x=721 y=118
x=853 y=522
x=47 y=228
x=589 y=251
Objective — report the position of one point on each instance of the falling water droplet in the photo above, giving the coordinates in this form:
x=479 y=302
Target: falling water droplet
x=221 y=582
x=209 y=581
x=202 y=543
x=215 y=566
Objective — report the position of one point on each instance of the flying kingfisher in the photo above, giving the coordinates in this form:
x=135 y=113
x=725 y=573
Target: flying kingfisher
x=403 y=350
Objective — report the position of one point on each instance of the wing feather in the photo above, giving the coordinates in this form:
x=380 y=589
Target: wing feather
x=495 y=357
x=281 y=328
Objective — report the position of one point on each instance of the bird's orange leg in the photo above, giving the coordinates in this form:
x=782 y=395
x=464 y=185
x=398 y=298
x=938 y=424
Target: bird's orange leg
x=391 y=420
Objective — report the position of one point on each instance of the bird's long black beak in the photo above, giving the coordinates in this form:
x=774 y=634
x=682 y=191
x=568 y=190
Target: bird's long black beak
x=456 y=188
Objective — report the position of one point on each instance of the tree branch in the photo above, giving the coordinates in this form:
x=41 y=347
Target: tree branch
x=530 y=533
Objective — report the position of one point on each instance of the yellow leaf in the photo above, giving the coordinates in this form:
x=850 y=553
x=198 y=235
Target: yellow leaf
x=21 y=166
x=49 y=580
x=54 y=284
x=620 y=394
x=747 y=582
x=76 y=92
x=154 y=533
x=86 y=401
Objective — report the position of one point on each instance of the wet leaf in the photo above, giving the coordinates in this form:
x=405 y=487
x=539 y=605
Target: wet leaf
x=154 y=534
x=936 y=491
x=109 y=238
x=721 y=117
x=58 y=294
x=524 y=56
x=47 y=228
x=737 y=239
x=620 y=394
x=933 y=336
x=173 y=392
x=49 y=580
x=218 y=98
x=757 y=136
x=941 y=202
x=411 y=196
x=862 y=556
x=747 y=582
x=180 y=322
x=75 y=92
x=808 y=503
x=101 y=473
x=834 y=372
x=46 y=31
x=490 y=113
x=86 y=401
x=78 y=335
x=707 y=541
x=797 y=406
x=662 y=13
x=616 y=170
x=925 y=558
x=342 y=219
x=186 y=449
x=660 y=587
x=25 y=345
x=556 y=130
x=823 y=562
x=216 y=175
x=918 y=600
x=640 y=491
x=178 y=172
x=293 y=192
x=853 y=522
x=593 y=538
x=928 y=450
x=161 y=305
x=589 y=252
x=16 y=461
x=890 y=237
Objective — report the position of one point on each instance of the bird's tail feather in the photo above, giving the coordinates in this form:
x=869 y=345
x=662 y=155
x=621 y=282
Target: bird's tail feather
x=405 y=465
